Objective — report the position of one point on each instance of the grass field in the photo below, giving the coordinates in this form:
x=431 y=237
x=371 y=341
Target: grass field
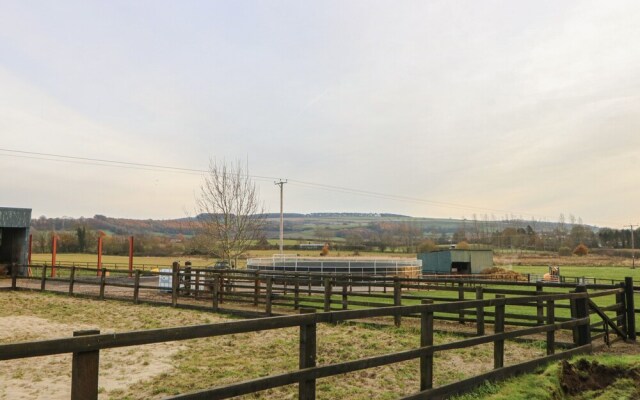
x=609 y=271
x=155 y=371
x=149 y=262
x=599 y=272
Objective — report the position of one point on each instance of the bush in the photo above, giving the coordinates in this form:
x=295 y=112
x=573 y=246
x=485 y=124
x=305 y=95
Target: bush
x=427 y=246
x=462 y=245
x=564 y=251
x=581 y=250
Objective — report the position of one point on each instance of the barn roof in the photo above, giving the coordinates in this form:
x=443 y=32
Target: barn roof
x=15 y=217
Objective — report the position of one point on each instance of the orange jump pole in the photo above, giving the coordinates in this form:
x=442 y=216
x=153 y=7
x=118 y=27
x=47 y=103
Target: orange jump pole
x=130 y=256
x=99 y=270
x=54 y=252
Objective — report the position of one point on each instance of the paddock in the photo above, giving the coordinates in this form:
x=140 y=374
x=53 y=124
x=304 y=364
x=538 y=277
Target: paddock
x=391 y=266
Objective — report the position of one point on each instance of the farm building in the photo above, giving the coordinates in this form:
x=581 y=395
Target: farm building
x=456 y=261
x=14 y=238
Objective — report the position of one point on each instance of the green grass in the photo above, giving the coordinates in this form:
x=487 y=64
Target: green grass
x=545 y=384
x=598 y=272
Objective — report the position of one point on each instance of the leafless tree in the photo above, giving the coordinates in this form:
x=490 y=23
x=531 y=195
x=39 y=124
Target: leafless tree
x=230 y=215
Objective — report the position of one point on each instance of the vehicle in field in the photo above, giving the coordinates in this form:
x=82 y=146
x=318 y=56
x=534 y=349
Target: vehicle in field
x=219 y=265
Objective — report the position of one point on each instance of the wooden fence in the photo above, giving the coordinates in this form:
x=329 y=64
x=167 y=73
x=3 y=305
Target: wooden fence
x=86 y=346
x=260 y=292
x=528 y=307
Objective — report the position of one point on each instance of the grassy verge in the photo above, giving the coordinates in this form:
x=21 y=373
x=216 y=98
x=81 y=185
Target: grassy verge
x=545 y=384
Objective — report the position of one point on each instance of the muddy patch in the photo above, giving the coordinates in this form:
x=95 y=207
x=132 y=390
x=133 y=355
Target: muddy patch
x=584 y=376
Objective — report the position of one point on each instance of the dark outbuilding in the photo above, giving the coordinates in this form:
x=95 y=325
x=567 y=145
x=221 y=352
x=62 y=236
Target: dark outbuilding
x=14 y=238
x=456 y=261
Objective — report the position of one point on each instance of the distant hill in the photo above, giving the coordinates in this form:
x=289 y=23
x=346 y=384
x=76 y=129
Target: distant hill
x=296 y=225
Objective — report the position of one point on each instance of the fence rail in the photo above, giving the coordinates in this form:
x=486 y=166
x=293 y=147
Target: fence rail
x=251 y=290
x=86 y=346
x=528 y=308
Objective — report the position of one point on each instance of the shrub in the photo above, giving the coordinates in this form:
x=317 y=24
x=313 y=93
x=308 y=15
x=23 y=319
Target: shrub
x=427 y=246
x=564 y=251
x=462 y=245
x=581 y=250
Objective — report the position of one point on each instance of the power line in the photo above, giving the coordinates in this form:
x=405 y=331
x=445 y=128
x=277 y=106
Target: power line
x=110 y=163
x=281 y=184
x=300 y=183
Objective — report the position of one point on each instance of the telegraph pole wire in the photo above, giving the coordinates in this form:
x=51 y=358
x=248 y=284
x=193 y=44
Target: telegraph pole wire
x=281 y=183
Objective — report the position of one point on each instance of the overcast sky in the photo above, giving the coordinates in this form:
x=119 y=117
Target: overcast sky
x=446 y=108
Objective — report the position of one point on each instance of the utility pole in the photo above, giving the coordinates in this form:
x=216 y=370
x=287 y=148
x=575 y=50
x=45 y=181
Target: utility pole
x=633 y=249
x=281 y=184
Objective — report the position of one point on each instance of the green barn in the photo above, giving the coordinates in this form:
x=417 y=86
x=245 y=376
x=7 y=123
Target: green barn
x=14 y=239
x=456 y=261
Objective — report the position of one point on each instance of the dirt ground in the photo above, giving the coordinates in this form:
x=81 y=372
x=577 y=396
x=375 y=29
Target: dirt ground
x=583 y=375
x=32 y=378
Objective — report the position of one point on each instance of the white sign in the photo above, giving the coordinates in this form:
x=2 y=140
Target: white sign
x=165 y=281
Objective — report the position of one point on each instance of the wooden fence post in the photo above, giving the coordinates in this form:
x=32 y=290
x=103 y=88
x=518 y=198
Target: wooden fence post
x=345 y=301
x=582 y=311
x=214 y=292
x=397 y=300
x=256 y=289
x=631 y=315
x=551 y=335
x=621 y=313
x=498 y=345
x=187 y=278
x=103 y=283
x=72 y=277
x=222 y=287
x=296 y=292
x=426 y=339
x=269 y=295
x=84 y=371
x=175 y=284
x=196 y=290
x=539 y=304
x=136 y=287
x=479 y=312
x=14 y=276
x=307 y=388
x=43 y=280
x=284 y=283
x=327 y=294
x=461 y=298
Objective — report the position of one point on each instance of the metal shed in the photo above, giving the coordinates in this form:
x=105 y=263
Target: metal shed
x=456 y=261
x=14 y=238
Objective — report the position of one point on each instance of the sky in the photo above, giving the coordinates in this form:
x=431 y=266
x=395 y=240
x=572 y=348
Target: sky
x=425 y=108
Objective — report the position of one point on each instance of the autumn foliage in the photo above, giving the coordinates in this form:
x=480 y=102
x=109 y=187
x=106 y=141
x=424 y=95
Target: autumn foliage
x=581 y=250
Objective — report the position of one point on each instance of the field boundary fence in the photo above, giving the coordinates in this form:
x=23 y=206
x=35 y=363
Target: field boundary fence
x=86 y=346
x=271 y=292
x=513 y=310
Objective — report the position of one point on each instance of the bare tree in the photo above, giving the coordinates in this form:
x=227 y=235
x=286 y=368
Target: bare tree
x=230 y=215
